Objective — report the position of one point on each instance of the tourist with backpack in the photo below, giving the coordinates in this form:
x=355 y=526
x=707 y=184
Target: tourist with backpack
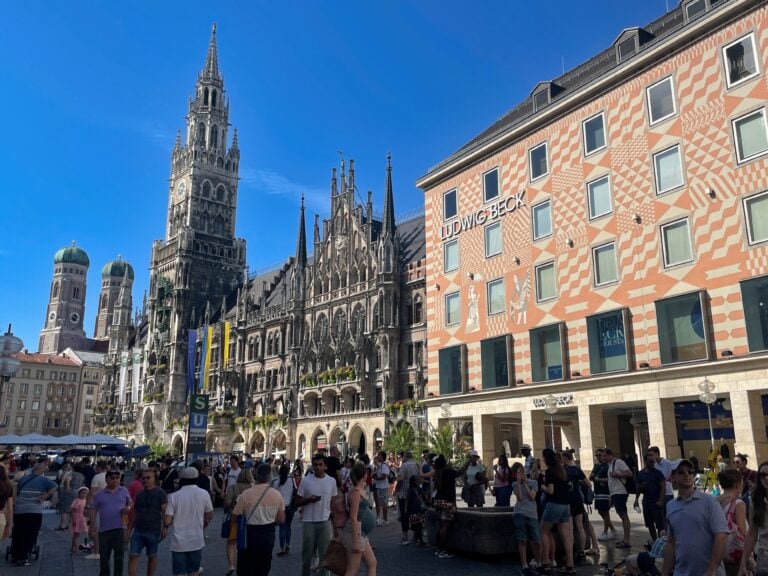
x=619 y=475
x=577 y=480
x=652 y=484
x=381 y=478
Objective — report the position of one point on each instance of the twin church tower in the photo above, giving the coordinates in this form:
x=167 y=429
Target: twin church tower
x=340 y=309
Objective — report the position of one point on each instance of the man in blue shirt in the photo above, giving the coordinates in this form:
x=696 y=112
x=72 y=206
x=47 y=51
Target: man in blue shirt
x=31 y=491
x=698 y=530
x=652 y=483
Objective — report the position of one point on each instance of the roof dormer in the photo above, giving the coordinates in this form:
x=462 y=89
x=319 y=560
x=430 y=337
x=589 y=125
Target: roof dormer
x=692 y=9
x=629 y=43
x=543 y=93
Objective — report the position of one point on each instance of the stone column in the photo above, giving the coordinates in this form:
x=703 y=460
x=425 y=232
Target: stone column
x=749 y=426
x=533 y=430
x=591 y=433
x=662 y=426
x=483 y=437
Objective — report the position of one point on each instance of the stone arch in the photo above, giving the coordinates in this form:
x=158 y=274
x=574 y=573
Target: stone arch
x=221 y=192
x=256 y=445
x=148 y=423
x=356 y=441
x=238 y=439
x=177 y=445
x=353 y=276
x=279 y=444
x=279 y=407
x=311 y=403
x=330 y=399
x=301 y=447
x=319 y=441
x=258 y=410
x=378 y=439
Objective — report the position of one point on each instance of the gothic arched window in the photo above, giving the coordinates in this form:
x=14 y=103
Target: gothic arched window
x=103 y=301
x=201 y=133
x=76 y=293
x=213 y=98
x=206 y=189
x=214 y=136
x=221 y=193
x=55 y=290
x=205 y=97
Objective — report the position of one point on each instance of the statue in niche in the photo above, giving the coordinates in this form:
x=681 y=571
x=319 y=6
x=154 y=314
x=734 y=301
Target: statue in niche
x=519 y=305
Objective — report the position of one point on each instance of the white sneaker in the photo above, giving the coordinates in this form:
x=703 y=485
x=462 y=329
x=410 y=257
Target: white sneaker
x=533 y=564
x=604 y=536
x=93 y=557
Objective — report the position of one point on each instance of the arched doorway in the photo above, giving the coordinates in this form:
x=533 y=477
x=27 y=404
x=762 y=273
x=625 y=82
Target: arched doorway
x=278 y=444
x=257 y=444
x=238 y=444
x=356 y=442
x=147 y=424
x=319 y=441
x=178 y=444
x=302 y=447
x=378 y=439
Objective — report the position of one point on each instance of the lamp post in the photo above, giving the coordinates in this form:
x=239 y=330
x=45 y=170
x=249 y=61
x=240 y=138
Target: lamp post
x=550 y=407
x=708 y=397
x=343 y=444
x=9 y=345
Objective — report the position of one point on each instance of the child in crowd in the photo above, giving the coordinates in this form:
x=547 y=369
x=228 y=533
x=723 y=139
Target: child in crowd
x=416 y=509
x=77 y=522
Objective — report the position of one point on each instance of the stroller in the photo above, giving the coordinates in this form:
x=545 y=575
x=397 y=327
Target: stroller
x=35 y=552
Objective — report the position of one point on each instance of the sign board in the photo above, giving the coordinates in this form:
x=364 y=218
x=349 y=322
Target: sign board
x=198 y=423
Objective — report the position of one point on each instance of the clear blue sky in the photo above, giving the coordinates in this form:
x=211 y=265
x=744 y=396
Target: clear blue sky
x=94 y=92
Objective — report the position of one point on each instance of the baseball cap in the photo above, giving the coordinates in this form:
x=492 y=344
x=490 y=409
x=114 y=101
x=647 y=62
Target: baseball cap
x=474 y=453
x=682 y=462
x=525 y=447
x=189 y=473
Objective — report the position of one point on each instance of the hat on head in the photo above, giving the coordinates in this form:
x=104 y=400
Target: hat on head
x=474 y=453
x=189 y=473
x=682 y=462
x=525 y=447
x=83 y=489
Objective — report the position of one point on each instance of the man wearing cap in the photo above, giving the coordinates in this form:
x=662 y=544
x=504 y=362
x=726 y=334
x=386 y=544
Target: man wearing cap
x=189 y=511
x=525 y=450
x=113 y=505
x=698 y=530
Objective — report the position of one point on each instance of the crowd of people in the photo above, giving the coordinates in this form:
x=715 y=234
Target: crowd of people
x=341 y=501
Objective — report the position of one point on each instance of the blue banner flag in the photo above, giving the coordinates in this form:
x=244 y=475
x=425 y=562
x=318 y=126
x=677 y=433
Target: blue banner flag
x=203 y=354
x=191 y=345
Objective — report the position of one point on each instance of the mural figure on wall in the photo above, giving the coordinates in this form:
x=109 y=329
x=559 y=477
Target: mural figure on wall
x=473 y=314
x=519 y=305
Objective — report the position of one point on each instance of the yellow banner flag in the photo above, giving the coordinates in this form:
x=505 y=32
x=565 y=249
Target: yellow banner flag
x=207 y=370
x=226 y=344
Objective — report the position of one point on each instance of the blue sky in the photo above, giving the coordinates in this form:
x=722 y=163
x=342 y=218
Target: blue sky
x=94 y=93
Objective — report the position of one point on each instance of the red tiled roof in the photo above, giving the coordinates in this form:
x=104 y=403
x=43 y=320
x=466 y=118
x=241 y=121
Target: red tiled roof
x=46 y=359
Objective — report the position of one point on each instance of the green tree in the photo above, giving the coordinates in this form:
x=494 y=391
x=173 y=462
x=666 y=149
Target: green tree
x=441 y=441
x=402 y=437
x=159 y=448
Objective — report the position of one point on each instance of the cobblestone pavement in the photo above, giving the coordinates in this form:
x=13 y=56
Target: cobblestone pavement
x=393 y=559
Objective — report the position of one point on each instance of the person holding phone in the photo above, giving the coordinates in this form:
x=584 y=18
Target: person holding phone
x=314 y=496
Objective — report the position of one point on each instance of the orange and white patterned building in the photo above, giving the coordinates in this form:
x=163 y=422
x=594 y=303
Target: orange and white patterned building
x=602 y=251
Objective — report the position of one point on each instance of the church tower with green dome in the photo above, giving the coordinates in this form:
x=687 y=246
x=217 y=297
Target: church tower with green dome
x=63 y=326
x=115 y=275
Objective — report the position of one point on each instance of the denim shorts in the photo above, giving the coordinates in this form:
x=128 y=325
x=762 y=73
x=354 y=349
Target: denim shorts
x=186 y=562
x=556 y=513
x=141 y=540
x=383 y=496
x=526 y=528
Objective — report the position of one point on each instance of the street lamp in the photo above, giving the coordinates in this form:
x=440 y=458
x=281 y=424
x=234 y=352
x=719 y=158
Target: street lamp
x=9 y=345
x=550 y=407
x=708 y=397
x=343 y=445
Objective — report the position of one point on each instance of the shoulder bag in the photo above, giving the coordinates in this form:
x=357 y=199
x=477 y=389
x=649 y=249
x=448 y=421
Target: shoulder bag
x=242 y=523
x=734 y=546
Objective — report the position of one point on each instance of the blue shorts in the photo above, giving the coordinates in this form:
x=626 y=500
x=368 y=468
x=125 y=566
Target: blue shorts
x=556 y=513
x=526 y=529
x=619 y=503
x=186 y=562
x=141 y=540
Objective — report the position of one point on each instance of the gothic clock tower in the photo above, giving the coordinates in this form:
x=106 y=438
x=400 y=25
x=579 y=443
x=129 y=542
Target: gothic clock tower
x=200 y=260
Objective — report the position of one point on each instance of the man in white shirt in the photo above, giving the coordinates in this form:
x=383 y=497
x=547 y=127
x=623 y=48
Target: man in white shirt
x=381 y=479
x=189 y=511
x=314 y=496
x=618 y=472
x=234 y=472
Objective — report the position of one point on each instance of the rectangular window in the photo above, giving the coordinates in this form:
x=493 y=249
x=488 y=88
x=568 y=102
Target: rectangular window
x=751 y=136
x=496 y=296
x=409 y=352
x=88 y=404
x=739 y=59
x=450 y=207
x=756 y=214
x=661 y=101
x=495 y=362
x=8 y=404
x=89 y=390
x=676 y=243
x=695 y=9
x=754 y=297
x=594 y=134
x=537 y=158
x=493 y=240
x=19 y=421
x=547 y=353
x=22 y=405
x=87 y=419
x=668 y=167
x=11 y=387
x=25 y=372
x=491 y=185
x=604 y=264
x=24 y=388
x=37 y=389
x=40 y=374
x=35 y=404
x=682 y=328
x=451 y=256
x=450 y=370
x=452 y=310
x=546 y=288
x=599 y=197
x=606 y=335
x=33 y=422
x=541 y=216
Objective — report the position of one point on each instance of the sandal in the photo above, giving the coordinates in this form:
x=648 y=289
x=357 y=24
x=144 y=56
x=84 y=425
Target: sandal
x=623 y=545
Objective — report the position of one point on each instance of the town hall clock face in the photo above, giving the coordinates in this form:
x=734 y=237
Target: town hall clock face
x=74 y=317
x=181 y=190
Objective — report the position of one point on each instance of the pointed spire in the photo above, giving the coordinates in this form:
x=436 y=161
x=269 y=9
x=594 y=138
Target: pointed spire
x=211 y=68
x=334 y=188
x=207 y=312
x=317 y=229
x=351 y=185
x=301 y=242
x=124 y=295
x=177 y=146
x=234 y=139
x=388 y=225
